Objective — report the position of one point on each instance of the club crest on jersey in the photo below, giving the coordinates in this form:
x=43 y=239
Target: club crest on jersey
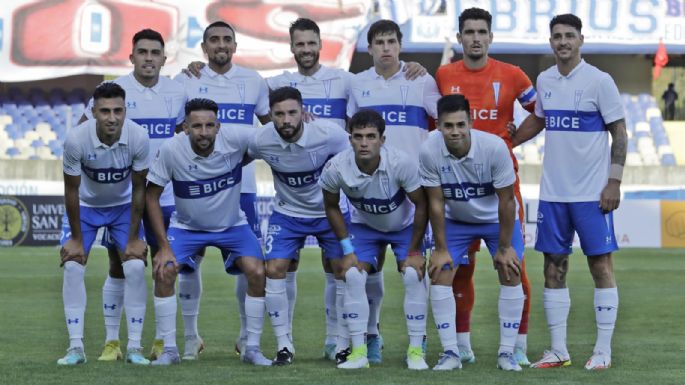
x=495 y=90
x=404 y=90
x=479 y=171
x=576 y=100
x=241 y=92
x=203 y=90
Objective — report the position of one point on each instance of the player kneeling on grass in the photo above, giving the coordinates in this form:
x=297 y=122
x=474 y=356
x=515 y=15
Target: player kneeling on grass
x=384 y=187
x=469 y=176
x=113 y=155
x=205 y=168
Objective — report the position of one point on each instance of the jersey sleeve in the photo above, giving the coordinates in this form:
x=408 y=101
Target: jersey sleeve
x=141 y=155
x=330 y=179
x=262 y=105
x=503 y=173
x=72 y=155
x=431 y=95
x=252 y=147
x=539 y=111
x=609 y=100
x=352 y=106
x=338 y=139
x=409 y=177
x=428 y=169
x=160 y=172
x=526 y=94
x=440 y=78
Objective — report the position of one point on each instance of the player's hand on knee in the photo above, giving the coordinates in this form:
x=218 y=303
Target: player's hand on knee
x=163 y=259
x=506 y=261
x=72 y=251
x=610 y=197
x=135 y=249
x=193 y=69
x=439 y=258
x=417 y=261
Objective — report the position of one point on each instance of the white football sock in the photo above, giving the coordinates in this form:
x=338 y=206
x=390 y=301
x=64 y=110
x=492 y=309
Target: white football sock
x=291 y=289
x=112 y=302
x=189 y=294
x=254 y=312
x=444 y=313
x=606 y=309
x=331 y=311
x=74 y=297
x=165 y=311
x=135 y=300
x=356 y=305
x=240 y=295
x=276 y=302
x=415 y=306
x=374 y=292
x=522 y=341
x=510 y=307
x=557 y=304
x=464 y=340
x=343 y=341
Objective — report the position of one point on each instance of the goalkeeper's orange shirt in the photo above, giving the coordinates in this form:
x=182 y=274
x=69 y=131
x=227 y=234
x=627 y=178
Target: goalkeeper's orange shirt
x=491 y=91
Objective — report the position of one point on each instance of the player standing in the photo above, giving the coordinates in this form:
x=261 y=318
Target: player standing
x=205 y=167
x=383 y=185
x=241 y=94
x=580 y=185
x=406 y=106
x=113 y=155
x=492 y=87
x=469 y=179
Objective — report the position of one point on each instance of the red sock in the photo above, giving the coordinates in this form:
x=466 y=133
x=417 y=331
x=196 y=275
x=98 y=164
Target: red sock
x=464 y=295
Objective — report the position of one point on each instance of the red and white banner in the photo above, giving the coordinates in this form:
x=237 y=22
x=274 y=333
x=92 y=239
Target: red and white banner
x=41 y=39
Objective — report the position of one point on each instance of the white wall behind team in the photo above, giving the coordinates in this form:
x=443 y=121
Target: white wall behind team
x=637 y=223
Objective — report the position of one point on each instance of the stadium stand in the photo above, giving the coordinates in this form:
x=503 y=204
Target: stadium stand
x=33 y=126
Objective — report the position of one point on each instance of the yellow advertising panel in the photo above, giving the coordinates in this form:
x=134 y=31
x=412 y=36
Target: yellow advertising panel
x=672 y=223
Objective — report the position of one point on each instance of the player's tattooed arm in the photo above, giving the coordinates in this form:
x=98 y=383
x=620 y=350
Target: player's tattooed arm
x=73 y=247
x=530 y=127
x=610 y=198
x=135 y=248
x=556 y=267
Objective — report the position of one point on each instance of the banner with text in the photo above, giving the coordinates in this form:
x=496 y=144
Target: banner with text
x=41 y=39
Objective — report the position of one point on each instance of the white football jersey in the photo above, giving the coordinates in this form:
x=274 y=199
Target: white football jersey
x=105 y=170
x=296 y=167
x=380 y=200
x=576 y=109
x=468 y=184
x=206 y=189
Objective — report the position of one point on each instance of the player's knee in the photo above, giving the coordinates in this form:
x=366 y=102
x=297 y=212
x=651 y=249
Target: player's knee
x=275 y=270
x=74 y=265
x=164 y=283
x=602 y=270
x=134 y=267
x=354 y=277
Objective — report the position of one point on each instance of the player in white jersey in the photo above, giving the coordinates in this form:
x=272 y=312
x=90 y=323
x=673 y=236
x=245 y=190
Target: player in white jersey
x=325 y=91
x=241 y=94
x=113 y=155
x=407 y=106
x=384 y=187
x=469 y=179
x=580 y=188
x=156 y=103
x=296 y=152
x=205 y=167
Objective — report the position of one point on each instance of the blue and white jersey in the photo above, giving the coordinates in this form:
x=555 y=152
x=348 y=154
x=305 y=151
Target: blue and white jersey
x=241 y=94
x=468 y=184
x=576 y=109
x=380 y=200
x=296 y=167
x=405 y=105
x=158 y=109
x=207 y=190
x=105 y=170
x=324 y=94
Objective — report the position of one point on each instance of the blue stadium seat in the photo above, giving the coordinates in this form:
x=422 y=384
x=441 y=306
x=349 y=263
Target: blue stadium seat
x=668 y=160
x=12 y=152
x=632 y=147
x=57 y=151
x=37 y=143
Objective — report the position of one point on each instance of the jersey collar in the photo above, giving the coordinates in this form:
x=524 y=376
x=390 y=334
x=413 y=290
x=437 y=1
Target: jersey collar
x=573 y=72
x=397 y=74
x=382 y=166
x=206 y=71
x=141 y=88
x=446 y=153
x=302 y=142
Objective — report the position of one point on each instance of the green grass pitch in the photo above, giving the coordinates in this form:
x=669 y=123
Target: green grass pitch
x=649 y=342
